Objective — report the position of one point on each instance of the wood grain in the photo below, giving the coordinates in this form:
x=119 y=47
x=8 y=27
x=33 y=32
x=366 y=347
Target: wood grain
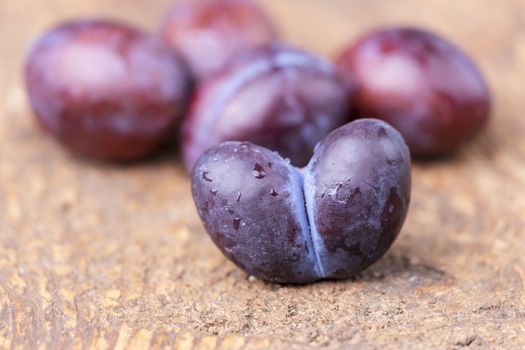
x=106 y=257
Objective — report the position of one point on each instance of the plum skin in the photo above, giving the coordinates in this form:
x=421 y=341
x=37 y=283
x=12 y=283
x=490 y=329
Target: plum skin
x=420 y=83
x=277 y=97
x=329 y=220
x=104 y=89
x=208 y=33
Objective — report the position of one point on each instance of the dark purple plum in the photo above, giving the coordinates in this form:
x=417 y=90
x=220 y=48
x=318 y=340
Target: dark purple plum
x=330 y=220
x=104 y=89
x=421 y=84
x=207 y=33
x=280 y=98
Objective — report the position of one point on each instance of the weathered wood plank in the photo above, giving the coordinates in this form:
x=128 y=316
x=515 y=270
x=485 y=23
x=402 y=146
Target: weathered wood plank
x=133 y=267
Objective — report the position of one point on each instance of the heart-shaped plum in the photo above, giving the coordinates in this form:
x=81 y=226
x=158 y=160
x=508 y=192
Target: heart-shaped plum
x=329 y=220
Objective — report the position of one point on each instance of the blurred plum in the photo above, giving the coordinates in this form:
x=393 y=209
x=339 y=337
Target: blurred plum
x=105 y=89
x=277 y=97
x=421 y=84
x=207 y=33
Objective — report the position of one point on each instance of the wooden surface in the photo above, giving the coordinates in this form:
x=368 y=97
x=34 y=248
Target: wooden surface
x=98 y=256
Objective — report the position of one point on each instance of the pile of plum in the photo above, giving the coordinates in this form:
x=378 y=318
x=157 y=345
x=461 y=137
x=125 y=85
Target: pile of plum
x=293 y=180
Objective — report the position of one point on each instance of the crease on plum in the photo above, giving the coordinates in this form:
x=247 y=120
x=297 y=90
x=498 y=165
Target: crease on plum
x=304 y=210
x=309 y=197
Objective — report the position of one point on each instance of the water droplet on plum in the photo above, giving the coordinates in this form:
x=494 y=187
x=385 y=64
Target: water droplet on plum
x=258 y=171
x=206 y=177
x=236 y=223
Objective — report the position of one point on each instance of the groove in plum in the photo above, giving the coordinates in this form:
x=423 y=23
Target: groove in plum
x=313 y=240
x=309 y=200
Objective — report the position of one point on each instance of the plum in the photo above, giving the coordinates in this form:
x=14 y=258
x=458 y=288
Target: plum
x=421 y=84
x=277 y=97
x=105 y=89
x=207 y=33
x=329 y=220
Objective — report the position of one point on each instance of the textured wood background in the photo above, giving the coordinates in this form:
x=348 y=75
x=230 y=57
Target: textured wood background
x=99 y=256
